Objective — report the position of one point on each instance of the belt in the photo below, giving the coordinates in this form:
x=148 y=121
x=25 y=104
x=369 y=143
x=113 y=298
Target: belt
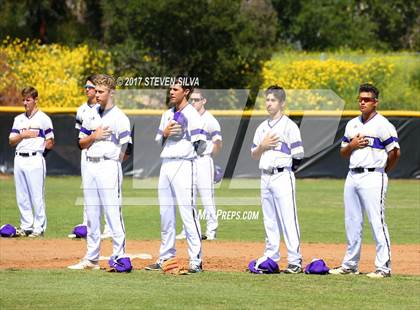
x=363 y=170
x=275 y=170
x=96 y=159
x=26 y=154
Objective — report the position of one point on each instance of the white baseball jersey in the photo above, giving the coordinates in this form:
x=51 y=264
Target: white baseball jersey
x=290 y=144
x=39 y=122
x=193 y=132
x=211 y=130
x=382 y=138
x=119 y=124
x=29 y=170
x=81 y=113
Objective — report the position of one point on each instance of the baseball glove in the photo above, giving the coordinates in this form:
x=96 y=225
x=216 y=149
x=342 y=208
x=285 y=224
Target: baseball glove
x=172 y=266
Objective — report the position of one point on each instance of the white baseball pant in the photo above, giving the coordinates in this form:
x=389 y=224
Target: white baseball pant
x=176 y=186
x=29 y=175
x=280 y=216
x=366 y=192
x=102 y=190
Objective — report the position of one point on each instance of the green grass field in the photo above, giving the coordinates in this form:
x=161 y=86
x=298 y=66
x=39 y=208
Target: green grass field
x=321 y=220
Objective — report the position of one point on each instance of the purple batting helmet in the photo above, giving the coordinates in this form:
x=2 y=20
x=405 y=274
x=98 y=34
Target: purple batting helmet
x=122 y=264
x=80 y=231
x=7 y=231
x=263 y=265
x=218 y=174
x=317 y=266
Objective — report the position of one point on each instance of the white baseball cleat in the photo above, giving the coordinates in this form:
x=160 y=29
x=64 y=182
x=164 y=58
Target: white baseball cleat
x=181 y=236
x=85 y=264
x=342 y=270
x=36 y=235
x=378 y=274
x=106 y=235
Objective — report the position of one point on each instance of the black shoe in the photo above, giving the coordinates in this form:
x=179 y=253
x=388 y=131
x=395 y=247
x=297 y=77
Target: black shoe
x=154 y=267
x=293 y=269
x=195 y=268
x=203 y=237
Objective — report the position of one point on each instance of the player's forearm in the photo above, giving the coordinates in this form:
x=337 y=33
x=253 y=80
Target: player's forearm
x=346 y=151
x=393 y=157
x=13 y=141
x=86 y=142
x=217 y=146
x=257 y=152
x=49 y=144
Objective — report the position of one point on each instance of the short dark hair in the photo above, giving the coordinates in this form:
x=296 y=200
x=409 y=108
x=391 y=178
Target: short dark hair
x=369 y=88
x=30 y=92
x=91 y=78
x=277 y=91
x=180 y=79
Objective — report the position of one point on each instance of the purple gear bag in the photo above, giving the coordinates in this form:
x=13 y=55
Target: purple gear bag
x=122 y=264
x=266 y=266
x=7 y=231
x=317 y=266
x=218 y=174
x=80 y=231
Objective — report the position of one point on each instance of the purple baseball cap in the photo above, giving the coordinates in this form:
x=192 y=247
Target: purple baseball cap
x=317 y=266
x=80 y=231
x=122 y=264
x=7 y=231
x=263 y=265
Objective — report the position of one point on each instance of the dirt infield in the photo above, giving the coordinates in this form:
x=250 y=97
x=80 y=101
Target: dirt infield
x=218 y=255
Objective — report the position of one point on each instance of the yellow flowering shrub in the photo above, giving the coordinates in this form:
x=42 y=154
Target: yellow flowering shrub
x=316 y=83
x=56 y=71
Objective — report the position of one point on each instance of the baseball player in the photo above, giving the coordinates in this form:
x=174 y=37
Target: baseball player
x=104 y=133
x=205 y=165
x=81 y=113
x=278 y=146
x=371 y=143
x=181 y=134
x=32 y=135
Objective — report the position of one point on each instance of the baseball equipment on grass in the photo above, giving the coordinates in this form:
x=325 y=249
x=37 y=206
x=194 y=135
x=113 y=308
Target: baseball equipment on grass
x=79 y=231
x=122 y=264
x=263 y=265
x=317 y=266
x=8 y=231
x=172 y=266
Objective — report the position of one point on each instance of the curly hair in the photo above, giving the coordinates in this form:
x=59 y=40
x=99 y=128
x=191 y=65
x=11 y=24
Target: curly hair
x=104 y=80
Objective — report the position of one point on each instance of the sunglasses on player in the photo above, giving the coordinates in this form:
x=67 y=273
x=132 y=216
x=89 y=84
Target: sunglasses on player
x=196 y=99
x=89 y=87
x=366 y=99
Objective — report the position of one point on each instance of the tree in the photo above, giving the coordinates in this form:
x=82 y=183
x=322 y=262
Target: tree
x=222 y=42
